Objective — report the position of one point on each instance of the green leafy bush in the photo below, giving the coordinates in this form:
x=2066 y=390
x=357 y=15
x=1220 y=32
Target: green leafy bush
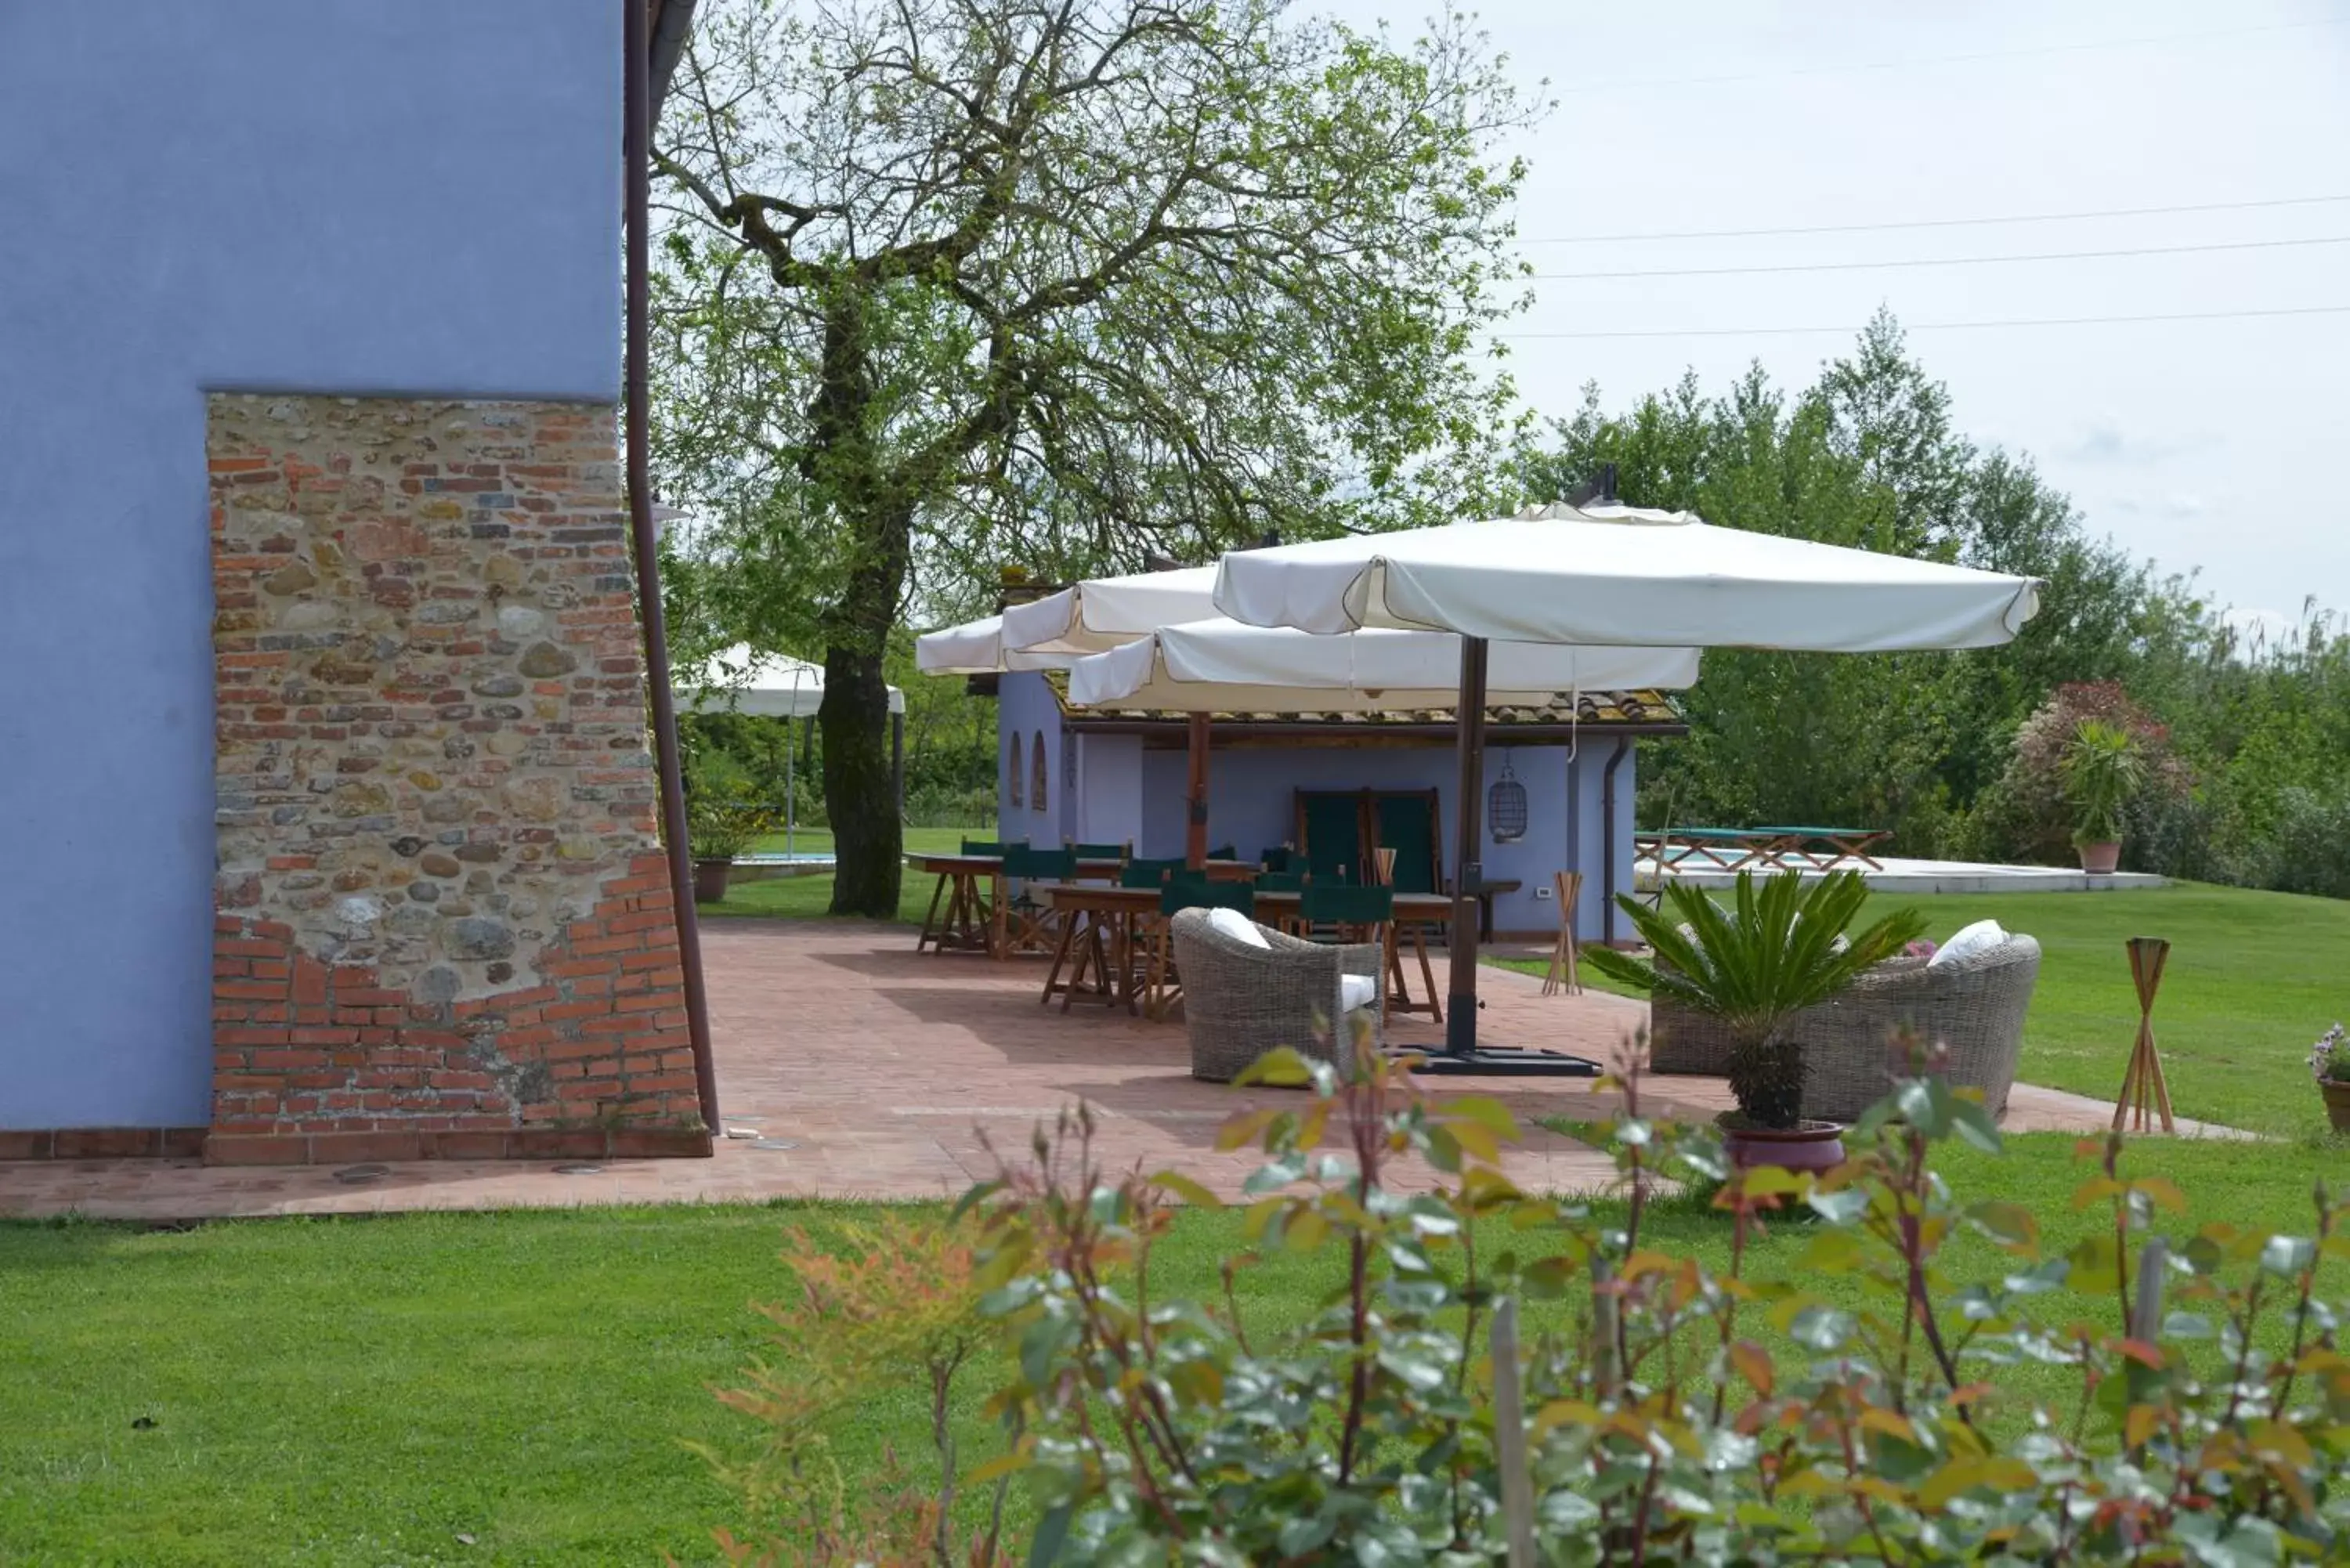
x=1496 y=1376
x=2310 y=851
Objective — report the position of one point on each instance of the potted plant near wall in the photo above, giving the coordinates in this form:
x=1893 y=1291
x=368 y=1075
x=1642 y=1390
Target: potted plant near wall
x=1780 y=949
x=2102 y=770
x=2329 y=1063
x=717 y=829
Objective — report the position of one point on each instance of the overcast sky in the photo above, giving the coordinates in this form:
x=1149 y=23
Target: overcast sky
x=2217 y=444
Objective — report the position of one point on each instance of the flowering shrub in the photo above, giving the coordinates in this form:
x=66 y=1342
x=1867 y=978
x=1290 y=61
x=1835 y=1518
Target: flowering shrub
x=2328 y=1061
x=2029 y=810
x=1500 y=1376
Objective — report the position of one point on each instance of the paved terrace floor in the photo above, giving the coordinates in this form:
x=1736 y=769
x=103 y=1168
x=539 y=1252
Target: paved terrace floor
x=887 y=1075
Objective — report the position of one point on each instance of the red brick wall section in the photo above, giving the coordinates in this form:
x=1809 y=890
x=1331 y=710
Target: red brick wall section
x=443 y=922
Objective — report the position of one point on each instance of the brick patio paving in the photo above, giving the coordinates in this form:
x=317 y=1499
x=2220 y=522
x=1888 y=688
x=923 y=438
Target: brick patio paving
x=882 y=1070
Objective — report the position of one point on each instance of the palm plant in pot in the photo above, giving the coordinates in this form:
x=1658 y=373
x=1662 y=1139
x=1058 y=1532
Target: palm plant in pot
x=2102 y=771
x=1781 y=948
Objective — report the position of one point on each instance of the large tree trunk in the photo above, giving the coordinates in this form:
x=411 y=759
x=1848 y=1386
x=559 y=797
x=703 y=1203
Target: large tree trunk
x=867 y=837
x=860 y=790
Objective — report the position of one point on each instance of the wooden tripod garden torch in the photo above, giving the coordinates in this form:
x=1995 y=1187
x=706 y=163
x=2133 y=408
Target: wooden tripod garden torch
x=2144 y=1093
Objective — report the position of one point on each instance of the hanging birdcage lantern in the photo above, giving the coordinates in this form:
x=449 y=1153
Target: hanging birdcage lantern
x=1506 y=807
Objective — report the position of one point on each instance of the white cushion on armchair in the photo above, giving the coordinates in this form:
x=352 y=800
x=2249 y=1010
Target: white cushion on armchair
x=1238 y=927
x=1356 y=992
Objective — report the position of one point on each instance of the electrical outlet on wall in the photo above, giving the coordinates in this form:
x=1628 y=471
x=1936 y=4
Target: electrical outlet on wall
x=1542 y=892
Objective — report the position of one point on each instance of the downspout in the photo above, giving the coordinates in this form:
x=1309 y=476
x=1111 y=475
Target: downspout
x=1607 y=838
x=637 y=138
x=1575 y=829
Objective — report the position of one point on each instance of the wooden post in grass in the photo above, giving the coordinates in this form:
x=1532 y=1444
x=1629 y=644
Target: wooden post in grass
x=2145 y=1095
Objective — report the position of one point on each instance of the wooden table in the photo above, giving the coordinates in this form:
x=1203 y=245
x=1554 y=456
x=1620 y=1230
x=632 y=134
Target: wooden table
x=1848 y=843
x=1098 y=959
x=975 y=918
x=1414 y=913
x=1095 y=956
x=1723 y=848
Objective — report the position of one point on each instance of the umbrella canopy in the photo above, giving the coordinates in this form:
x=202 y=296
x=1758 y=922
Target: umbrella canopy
x=1623 y=575
x=771 y=685
x=1217 y=665
x=1604 y=575
x=977 y=648
x=1107 y=611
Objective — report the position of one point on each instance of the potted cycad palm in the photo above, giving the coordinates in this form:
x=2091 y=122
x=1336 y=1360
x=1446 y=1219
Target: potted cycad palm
x=1781 y=948
x=2101 y=770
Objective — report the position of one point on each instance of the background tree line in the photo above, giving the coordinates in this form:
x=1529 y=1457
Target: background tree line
x=2250 y=739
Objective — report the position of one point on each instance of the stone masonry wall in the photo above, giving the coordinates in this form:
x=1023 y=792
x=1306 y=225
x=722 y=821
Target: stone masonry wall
x=443 y=922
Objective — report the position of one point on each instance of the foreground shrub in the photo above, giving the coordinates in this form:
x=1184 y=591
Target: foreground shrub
x=1498 y=1377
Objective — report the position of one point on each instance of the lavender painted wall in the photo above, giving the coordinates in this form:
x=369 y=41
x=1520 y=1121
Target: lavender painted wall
x=348 y=197
x=1126 y=793
x=1252 y=805
x=1024 y=710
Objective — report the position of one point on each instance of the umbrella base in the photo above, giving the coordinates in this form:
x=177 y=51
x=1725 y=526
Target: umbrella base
x=1502 y=1061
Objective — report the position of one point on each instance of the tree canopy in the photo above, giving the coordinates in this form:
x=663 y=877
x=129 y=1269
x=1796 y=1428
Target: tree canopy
x=1870 y=455
x=951 y=284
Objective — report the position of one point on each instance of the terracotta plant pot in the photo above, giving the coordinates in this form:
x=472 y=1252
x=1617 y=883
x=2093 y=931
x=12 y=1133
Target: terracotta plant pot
x=2338 y=1102
x=710 y=880
x=2099 y=859
x=1815 y=1146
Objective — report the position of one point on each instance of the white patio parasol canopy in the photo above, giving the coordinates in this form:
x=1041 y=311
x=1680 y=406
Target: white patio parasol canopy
x=770 y=685
x=1216 y=665
x=1602 y=574
x=1105 y=612
x=976 y=648
x=1621 y=575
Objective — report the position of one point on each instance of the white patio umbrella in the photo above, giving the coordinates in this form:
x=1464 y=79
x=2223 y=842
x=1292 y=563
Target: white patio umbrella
x=1105 y=612
x=1604 y=574
x=1216 y=665
x=976 y=648
x=742 y=679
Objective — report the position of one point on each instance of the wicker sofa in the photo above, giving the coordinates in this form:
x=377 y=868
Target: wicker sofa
x=1972 y=1007
x=1240 y=1002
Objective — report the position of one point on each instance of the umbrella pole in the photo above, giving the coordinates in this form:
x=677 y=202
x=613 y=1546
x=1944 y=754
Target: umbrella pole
x=1195 y=795
x=1461 y=1054
x=1469 y=870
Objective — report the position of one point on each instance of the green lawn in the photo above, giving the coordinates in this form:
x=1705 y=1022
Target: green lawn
x=367 y=1391
x=809 y=898
x=2252 y=978
x=918 y=840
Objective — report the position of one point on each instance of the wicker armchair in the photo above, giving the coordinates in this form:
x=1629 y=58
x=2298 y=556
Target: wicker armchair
x=1241 y=1001
x=1974 y=1007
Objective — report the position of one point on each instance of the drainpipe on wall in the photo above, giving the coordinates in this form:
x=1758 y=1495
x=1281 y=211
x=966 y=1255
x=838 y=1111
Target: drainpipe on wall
x=1608 y=840
x=1575 y=835
x=637 y=112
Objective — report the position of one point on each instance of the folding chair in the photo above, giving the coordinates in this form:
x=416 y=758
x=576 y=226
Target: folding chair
x=1031 y=922
x=1353 y=912
x=1162 y=988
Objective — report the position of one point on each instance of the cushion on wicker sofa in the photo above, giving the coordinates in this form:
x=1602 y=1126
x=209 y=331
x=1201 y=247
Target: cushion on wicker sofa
x=1972 y=1008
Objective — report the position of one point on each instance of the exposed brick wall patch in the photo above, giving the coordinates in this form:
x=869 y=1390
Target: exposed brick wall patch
x=443 y=920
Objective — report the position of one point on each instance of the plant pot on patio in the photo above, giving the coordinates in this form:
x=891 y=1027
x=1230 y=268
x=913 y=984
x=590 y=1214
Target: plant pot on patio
x=1813 y=1145
x=2338 y=1102
x=710 y=880
x=2099 y=859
